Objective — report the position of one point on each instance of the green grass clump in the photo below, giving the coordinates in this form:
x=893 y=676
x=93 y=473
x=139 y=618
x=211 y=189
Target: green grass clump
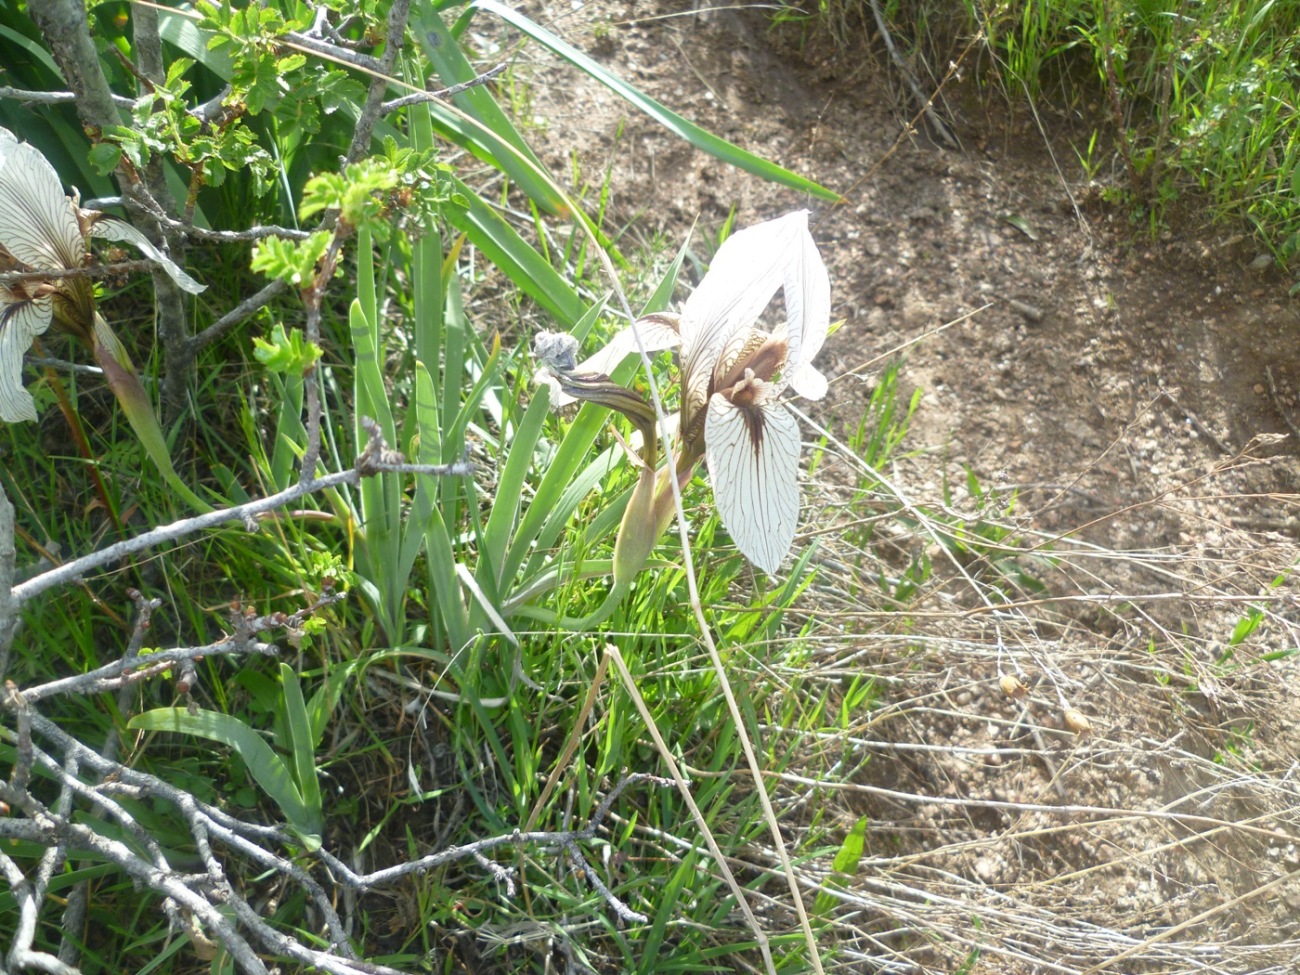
x=1194 y=97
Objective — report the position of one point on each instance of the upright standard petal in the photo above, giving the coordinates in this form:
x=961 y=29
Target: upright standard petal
x=746 y=272
x=111 y=229
x=37 y=223
x=753 y=458
x=20 y=322
x=808 y=315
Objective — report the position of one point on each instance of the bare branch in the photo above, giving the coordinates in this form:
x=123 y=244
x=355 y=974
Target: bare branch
x=93 y=271
x=8 y=557
x=24 y=96
x=420 y=97
x=242 y=311
x=199 y=233
x=247 y=513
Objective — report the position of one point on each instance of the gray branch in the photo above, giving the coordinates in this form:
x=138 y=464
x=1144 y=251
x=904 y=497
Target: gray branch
x=25 y=97
x=368 y=464
x=8 y=557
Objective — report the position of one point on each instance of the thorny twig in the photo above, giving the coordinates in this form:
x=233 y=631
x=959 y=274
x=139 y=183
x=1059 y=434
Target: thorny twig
x=94 y=271
x=441 y=94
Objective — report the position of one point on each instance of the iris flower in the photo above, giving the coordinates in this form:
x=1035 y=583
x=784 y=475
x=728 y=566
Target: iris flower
x=733 y=374
x=44 y=230
x=41 y=229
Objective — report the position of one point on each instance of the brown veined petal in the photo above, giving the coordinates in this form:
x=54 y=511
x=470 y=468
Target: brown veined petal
x=37 y=223
x=20 y=322
x=111 y=229
x=746 y=272
x=753 y=458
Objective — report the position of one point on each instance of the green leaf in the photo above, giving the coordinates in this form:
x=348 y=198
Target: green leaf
x=692 y=133
x=285 y=352
x=105 y=157
x=302 y=742
x=480 y=125
x=850 y=854
x=266 y=767
x=515 y=257
x=181 y=31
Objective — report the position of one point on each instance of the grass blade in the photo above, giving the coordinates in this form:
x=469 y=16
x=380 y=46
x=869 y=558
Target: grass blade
x=515 y=257
x=301 y=741
x=692 y=133
x=263 y=764
x=483 y=129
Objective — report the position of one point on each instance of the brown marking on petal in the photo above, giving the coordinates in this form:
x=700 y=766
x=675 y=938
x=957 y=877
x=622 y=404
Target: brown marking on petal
x=748 y=395
x=762 y=358
x=754 y=425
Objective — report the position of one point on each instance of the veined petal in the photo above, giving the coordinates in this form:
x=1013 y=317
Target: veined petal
x=6 y=137
x=808 y=382
x=118 y=230
x=753 y=458
x=808 y=316
x=37 y=225
x=746 y=272
x=20 y=322
x=658 y=332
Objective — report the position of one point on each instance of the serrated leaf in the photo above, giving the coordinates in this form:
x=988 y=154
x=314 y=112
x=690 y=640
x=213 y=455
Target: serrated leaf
x=105 y=157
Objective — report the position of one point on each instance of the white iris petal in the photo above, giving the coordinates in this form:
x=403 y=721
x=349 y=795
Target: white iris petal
x=746 y=272
x=37 y=224
x=753 y=458
x=751 y=442
x=40 y=229
x=752 y=450
x=111 y=229
x=20 y=322
x=808 y=315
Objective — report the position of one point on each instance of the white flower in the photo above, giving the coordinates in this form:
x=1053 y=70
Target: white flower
x=733 y=375
x=42 y=229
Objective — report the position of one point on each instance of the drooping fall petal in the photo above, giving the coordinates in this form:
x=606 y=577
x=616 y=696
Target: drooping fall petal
x=20 y=322
x=657 y=332
x=753 y=459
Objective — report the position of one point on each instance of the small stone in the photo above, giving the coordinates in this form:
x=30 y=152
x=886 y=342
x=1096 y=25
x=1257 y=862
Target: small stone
x=1259 y=389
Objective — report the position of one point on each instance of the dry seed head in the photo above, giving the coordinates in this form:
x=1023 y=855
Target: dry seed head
x=1077 y=721
x=1013 y=687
